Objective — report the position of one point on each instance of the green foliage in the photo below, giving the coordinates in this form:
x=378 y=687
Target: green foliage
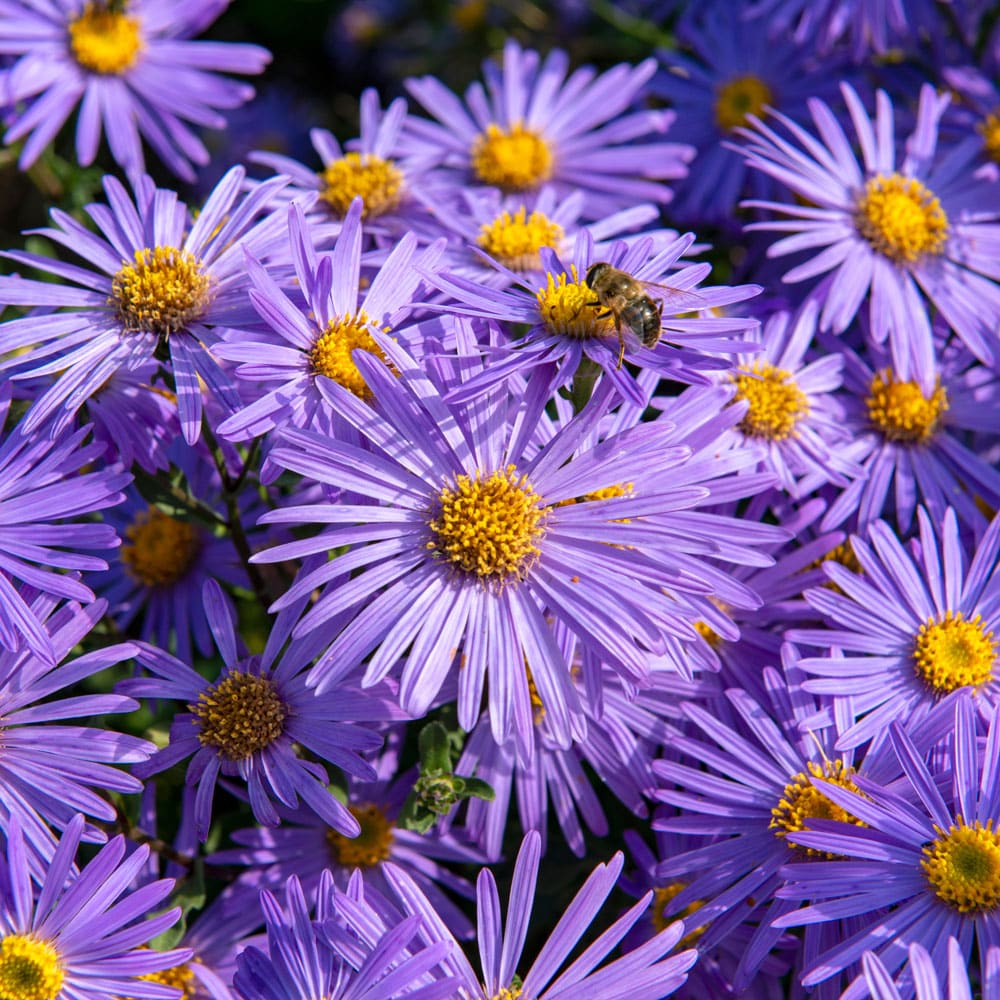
x=438 y=789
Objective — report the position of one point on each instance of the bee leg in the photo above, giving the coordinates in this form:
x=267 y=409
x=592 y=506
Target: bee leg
x=621 y=343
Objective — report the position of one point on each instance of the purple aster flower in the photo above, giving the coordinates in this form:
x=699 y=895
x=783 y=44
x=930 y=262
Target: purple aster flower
x=156 y=278
x=531 y=125
x=154 y=583
x=371 y=167
x=475 y=537
x=131 y=67
x=302 y=962
x=314 y=337
x=646 y=972
x=915 y=624
x=736 y=69
x=789 y=404
x=922 y=976
x=251 y=720
x=744 y=788
x=305 y=846
x=45 y=505
x=918 y=864
x=912 y=434
x=82 y=936
x=51 y=769
x=568 y=325
x=905 y=235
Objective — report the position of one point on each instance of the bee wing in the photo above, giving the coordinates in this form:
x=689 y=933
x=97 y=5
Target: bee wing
x=678 y=299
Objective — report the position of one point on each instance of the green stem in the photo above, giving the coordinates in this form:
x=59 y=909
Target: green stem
x=232 y=487
x=124 y=826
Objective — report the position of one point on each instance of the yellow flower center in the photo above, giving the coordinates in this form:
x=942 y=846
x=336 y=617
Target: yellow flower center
x=902 y=412
x=775 y=402
x=963 y=867
x=239 y=715
x=371 y=846
x=181 y=977
x=801 y=801
x=664 y=895
x=105 y=41
x=989 y=128
x=29 y=969
x=332 y=354
x=518 y=160
x=515 y=240
x=901 y=218
x=507 y=994
x=159 y=550
x=953 y=653
x=162 y=291
x=569 y=308
x=739 y=97
x=379 y=183
x=489 y=526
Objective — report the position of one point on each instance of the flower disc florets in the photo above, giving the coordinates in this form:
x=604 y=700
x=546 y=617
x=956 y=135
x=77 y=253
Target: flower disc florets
x=739 y=97
x=159 y=549
x=161 y=291
x=240 y=715
x=569 y=307
x=951 y=653
x=963 y=867
x=901 y=410
x=332 y=354
x=180 y=977
x=489 y=526
x=29 y=969
x=802 y=801
x=371 y=846
x=515 y=240
x=775 y=402
x=901 y=218
x=514 y=160
x=378 y=182
x=105 y=41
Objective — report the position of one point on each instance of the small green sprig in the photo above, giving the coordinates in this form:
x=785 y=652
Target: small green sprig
x=438 y=789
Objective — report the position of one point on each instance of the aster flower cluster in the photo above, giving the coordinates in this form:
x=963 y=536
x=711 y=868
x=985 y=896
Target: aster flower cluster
x=602 y=453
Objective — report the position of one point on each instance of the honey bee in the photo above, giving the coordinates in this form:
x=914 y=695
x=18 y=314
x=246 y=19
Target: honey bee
x=626 y=299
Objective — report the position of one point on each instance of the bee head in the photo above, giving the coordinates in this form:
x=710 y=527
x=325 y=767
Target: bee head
x=595 y=271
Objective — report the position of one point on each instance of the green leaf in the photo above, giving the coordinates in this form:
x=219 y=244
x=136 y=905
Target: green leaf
x=478 y=789
x=435 y=753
